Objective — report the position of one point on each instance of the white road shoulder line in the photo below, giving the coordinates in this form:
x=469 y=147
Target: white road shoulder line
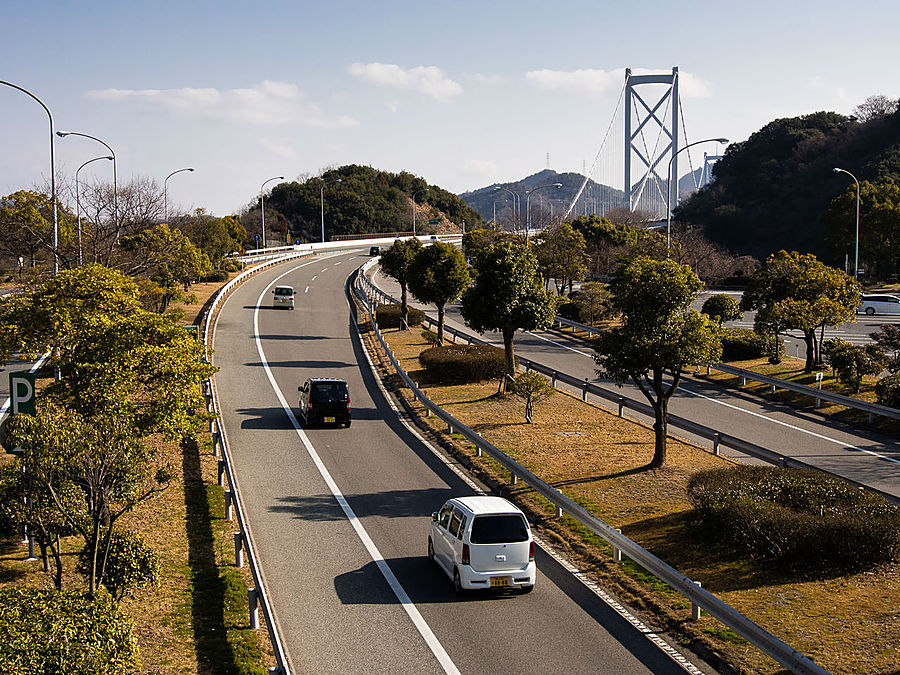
x=411 y=610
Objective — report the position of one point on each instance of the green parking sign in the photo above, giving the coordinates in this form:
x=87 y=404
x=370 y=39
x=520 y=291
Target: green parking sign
x=21 y=393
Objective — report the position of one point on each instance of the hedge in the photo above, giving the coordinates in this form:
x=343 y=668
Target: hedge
x=742 y=344
x=130 y=563
x=887 y=389
x=388 y=316
x=463 y=363
x=569 y=310
x=45 y=631
x=800 y=520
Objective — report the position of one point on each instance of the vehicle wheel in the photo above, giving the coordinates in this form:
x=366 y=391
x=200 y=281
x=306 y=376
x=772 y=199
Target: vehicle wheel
x=457 y=583
x=347 y=424
x=870 y=311
x=526 y=589
x=431 y=551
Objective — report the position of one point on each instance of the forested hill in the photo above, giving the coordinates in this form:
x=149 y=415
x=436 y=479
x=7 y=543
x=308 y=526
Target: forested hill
x=770 y=192
x=362 y=200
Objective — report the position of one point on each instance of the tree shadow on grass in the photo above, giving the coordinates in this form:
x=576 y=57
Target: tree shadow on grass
x=214 y=653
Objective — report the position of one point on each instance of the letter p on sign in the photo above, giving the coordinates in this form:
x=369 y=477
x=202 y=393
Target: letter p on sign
x=21 y=393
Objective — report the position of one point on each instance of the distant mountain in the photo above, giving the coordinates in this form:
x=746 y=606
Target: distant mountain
x=550 y=201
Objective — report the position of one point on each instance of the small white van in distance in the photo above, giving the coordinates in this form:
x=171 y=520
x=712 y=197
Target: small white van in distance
x=284 y=297
x=879 y=304
x=483 y=542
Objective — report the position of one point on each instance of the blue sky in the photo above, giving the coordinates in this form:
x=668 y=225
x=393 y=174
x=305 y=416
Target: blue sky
x=461 y=93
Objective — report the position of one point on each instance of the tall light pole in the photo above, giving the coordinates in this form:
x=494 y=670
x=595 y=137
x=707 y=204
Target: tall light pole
x=856 y=252
x=515 y=197
x=669 y=187
x=63 y=134
x=322 y=202
x=528 y=210
x=52 y=174
x=78 y=203
x=262 y=205
x=414 y=207
x=166 y=193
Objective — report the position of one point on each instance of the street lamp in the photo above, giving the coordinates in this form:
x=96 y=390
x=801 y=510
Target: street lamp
x=414 y=207
x=166 y=193
x=515 y=197
x=856 y=253
x=528 y=194
x=262 y=205
x=78 y=203
x=63 y=134
x=669 y=186
x=322 y=201
x=52 y=174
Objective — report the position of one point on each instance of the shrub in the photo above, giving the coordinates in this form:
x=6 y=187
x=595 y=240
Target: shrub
x=887 y=389
x=741 y=344
x=852 y=362
x=570 y=310
x=388 y=316
x=534 y=388
x=463 y=363
x=215 y=275
x=803 y=521
x=721 y=308
x=130 y=563
x=64 y=632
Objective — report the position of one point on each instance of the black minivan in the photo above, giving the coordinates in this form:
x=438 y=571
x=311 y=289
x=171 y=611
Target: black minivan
x=324 y=400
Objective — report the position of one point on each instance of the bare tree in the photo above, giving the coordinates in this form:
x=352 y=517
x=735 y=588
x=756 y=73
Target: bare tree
x=875 y=107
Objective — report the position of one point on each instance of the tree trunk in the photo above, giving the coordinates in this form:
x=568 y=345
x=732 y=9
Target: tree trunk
x=509 y=335
x=404 y=309
x=440 y=309
x=660 y=430
x=809 y=337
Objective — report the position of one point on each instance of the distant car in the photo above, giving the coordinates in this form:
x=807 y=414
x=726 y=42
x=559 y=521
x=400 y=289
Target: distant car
x=284 y=297
x=879 y=304
x=324 y=400
x=483 y=542
x=374 y=250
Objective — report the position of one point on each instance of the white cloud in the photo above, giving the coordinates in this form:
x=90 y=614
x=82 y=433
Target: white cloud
x=482 y=78
x=278 y=146
x=593 y=83
x=393 y=106
x=479 y=168
x=267 y=103
x=428 y=80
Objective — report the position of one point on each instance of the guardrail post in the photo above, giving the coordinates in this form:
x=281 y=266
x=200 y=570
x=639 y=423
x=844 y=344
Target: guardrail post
x=559 y=511
x=772 y=389
x=617 y=552
x=513 y=477
x=450 y=429
x=229 y=497
x=221 y=472
x=708 y=370
x=695 y=608
x=621 y=406
x=238 y=549
x=253 y=602
x=871 y=418
x=553 y=379
x=743 y=380
x=584 y=389
x=478 y=451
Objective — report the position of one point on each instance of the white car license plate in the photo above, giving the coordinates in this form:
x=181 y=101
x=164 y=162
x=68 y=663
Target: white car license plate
x=499 y=581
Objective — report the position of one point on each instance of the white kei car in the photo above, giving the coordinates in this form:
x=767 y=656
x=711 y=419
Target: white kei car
x=483 y=542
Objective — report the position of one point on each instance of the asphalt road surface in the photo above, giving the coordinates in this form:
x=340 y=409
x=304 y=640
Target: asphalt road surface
x=848 y=450
x=339 y=517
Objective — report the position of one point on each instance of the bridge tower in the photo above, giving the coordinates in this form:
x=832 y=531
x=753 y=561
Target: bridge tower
x=666 y=121
x=706 y=174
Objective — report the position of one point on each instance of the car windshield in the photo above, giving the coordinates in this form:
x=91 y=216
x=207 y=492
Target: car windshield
x=328 y=391
x=499 y=529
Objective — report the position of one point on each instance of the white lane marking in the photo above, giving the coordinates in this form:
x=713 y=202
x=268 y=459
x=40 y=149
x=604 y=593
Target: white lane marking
x=599 y=591
x=750 y=412
x=307 y=290
x=338 y=262
x=315 y=277
x=411 y=610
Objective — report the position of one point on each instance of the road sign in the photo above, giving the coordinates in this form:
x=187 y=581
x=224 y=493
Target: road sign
x=21 y=393
x=433 y=221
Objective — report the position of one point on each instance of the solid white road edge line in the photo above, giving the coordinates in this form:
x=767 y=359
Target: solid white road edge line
x=569 y=566
x=418 y=620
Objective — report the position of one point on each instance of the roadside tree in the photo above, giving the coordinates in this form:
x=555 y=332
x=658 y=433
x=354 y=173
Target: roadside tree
x=721 y=308
x=888 y=338
x=437 y=275
x=798 y=291
x=593 y=301
x=507 y=295
x=853 y=362
x=396 y=262
x=659 y=337
x=561 y=254
x=533 y=388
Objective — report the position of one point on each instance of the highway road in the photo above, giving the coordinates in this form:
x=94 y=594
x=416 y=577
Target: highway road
x=855 y=452
x=338 y=517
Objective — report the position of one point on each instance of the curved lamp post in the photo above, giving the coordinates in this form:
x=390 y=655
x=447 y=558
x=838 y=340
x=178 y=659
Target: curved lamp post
x=856 y=251
x=63 y=134
x=414 y=207
x=322 y=201
x=262 y=205
x=669 y=186
x=52 y=174
x=515 y=197
x=166 y=193
x=528 y=210
x=78 y=203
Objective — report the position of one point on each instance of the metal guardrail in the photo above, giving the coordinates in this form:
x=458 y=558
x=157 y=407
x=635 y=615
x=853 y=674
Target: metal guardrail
x=700 y=598
x=776 y=383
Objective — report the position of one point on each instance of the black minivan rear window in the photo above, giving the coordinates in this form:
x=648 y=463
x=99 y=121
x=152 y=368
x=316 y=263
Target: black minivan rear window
x=329 y=391
x=500 y=529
